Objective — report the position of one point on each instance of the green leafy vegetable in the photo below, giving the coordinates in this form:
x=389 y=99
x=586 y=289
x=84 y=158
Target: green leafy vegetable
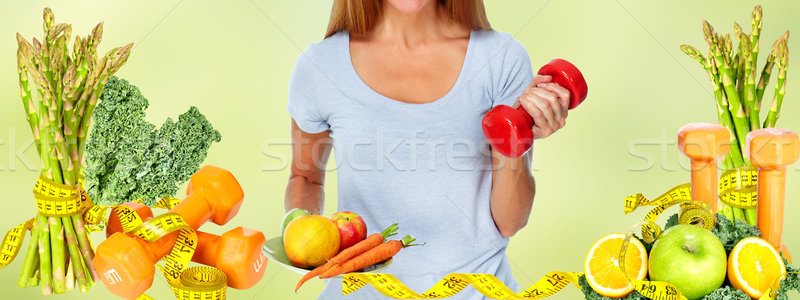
x=127 y=158
x=727 y=292
x=730 y=233
x=590 y=294
x=790 y=283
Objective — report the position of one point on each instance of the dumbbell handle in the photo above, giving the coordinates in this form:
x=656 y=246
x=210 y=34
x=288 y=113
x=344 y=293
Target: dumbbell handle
x=206 y=251
x=193 y=216
x=704 y=182
x=771 y=185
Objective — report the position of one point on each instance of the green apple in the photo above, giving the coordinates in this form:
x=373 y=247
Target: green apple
x=691 y=258
x=291 y=215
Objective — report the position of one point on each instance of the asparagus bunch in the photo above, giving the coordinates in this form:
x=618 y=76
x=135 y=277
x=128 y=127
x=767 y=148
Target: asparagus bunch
x=68 y=84
x=733 y=72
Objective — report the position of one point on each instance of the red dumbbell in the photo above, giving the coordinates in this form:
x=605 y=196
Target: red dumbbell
x=508 y=130
x=237 y=253
x=127 y=263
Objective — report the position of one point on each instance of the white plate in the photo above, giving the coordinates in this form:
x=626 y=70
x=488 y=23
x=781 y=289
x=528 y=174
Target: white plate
x=273 y=248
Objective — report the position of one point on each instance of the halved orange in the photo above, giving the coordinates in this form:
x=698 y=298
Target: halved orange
x=753 y=266
x=602 y=265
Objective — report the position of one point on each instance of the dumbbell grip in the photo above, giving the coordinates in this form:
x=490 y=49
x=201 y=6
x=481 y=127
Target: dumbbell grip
x=190 y=211
x=772 y=186
x=704 y=182
x=206 y=251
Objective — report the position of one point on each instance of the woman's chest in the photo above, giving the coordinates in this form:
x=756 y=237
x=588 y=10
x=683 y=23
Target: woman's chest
x=411 y=138
x=409 y=75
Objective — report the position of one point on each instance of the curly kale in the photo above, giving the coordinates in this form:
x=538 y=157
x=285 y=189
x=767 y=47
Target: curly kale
x=127 y=158
x=790 y=283
x=727 y=292
x=590 y=294
x=730 y=233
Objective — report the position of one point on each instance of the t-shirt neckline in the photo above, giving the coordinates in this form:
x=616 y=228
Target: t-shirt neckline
x=378 y=97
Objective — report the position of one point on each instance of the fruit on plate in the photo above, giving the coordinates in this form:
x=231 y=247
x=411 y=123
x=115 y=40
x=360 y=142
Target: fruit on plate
x=753 y=266
x=352 y=228
x=603 y=269
x=309 y=241
x=691 y=258
x=291 y=215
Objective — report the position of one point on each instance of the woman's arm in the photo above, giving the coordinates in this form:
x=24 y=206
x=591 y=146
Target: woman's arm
x=310 y=153
x=513 y=186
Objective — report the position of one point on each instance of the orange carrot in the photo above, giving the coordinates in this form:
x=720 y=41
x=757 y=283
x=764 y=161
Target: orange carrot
x=375 y=255
x=314 y=273
x=370 y=242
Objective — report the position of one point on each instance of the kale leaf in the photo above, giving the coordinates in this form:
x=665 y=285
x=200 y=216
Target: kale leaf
x=127 y=158
x=730 y=233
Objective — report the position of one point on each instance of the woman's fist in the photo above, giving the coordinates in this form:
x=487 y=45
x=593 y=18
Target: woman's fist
x=547 y=103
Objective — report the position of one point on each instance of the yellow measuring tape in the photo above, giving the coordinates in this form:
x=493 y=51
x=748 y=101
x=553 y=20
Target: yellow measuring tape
x=52 y=200
x=452 y=284
x=189 y=284
x=60 y=200
x=737 y=188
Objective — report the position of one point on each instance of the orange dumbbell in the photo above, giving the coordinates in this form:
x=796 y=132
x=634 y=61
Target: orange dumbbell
x=771 y=150
x=127 y=263
x=703 y=143
x=237 y=252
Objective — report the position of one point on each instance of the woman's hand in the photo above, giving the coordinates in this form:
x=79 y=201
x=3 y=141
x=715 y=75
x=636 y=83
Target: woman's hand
x=547 y=103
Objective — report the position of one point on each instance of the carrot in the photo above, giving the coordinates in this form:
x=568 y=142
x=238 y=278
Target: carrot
x=375 y=255
x=314 y=273
x=370 y=242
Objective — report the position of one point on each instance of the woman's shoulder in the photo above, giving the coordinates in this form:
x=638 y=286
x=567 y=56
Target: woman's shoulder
x=499 y=50
x=499 y=43
x=330 y=46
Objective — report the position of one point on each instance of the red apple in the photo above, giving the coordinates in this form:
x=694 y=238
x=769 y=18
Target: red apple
x=352 y=228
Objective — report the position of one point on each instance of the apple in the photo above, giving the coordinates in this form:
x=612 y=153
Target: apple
x=291 y=215
x=352 y=228
x=691 y=258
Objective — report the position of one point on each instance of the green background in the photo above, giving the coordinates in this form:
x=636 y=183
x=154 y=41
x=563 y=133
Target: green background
x=233 y=60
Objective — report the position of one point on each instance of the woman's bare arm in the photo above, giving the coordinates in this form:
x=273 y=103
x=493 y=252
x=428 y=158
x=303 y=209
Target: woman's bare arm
x=513 y=187
x=310 y=153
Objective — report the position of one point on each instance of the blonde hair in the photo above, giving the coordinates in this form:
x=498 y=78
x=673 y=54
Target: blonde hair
x=359 y=16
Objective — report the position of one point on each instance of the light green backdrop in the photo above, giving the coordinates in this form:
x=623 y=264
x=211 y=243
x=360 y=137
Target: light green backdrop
x=233 y=60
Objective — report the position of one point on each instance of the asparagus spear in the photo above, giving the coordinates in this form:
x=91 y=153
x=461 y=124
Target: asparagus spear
x=74 y=251
x=33 y=251
x=766 y=73
x=57 y=249
x=44 y=256
x=756 y=22
x=780 y=88
x=722 y=107
x=726 y=78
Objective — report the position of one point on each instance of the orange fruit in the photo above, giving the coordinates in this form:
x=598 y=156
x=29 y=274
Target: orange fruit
x=602 y=265
x=753 y=265
x=309 y=241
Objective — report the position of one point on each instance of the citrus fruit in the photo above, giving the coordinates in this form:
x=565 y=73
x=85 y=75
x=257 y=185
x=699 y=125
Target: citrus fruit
x=753 y=265
x=309 y=241
x=603 y=270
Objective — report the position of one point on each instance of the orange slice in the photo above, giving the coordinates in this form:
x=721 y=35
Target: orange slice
x=753 y=265
x=602 y=265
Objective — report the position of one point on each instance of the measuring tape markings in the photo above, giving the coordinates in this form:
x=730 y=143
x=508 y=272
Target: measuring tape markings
x=487 y=284
x=186 y=283
x=60 y=200
x=736 y=189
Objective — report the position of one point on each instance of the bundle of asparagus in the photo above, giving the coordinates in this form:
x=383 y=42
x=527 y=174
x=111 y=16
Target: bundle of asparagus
x=68 y=85
x=732 y=72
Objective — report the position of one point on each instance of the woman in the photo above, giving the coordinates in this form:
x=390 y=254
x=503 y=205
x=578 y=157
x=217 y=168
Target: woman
x=398 y=89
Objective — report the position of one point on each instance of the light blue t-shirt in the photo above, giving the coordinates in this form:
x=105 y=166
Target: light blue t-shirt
x=425 y=166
